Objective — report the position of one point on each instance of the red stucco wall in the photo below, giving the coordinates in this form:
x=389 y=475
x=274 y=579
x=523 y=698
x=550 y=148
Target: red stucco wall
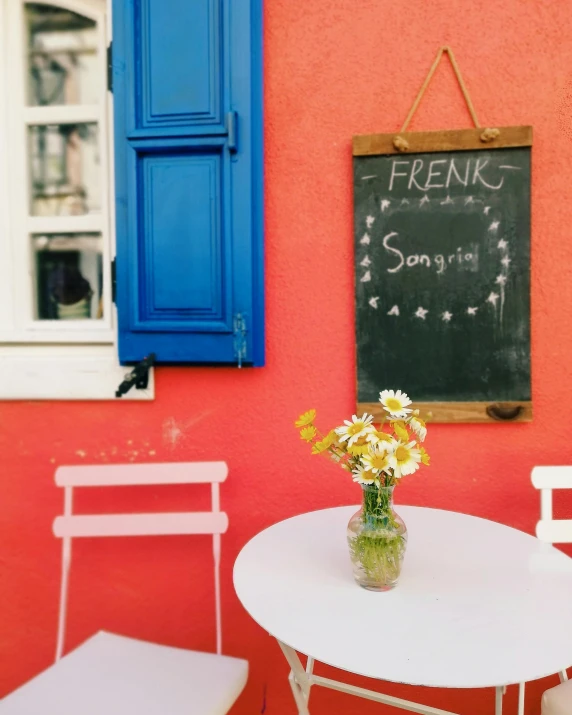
x=333 y=68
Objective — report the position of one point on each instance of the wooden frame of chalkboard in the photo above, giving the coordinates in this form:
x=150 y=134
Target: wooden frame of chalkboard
x=442 y=272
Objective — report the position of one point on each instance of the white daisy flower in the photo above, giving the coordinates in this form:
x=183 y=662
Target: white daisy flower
x=395 y=402
x=419 y=427
x=377 y=460
x=355 y=428
x=404 y=459
x=361 y=476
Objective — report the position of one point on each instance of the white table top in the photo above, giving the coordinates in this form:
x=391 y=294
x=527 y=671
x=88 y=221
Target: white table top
x=479 y=604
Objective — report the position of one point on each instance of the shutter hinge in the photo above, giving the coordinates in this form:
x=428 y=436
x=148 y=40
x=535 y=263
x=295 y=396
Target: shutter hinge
x=232 y=129
x=239 y=330
x=114 y=281
x=110 y=67
x=138 y=377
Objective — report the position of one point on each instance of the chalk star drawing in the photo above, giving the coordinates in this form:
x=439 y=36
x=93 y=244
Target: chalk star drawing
x=469 y=200
x=492 y=299
x=505 y=261
x=393 y=311
x=404 y=201
x=384 y=204
x=366 y=239
x=486 y=210
x=421 y=313
x=500 y=280
x=448 y=200
x=366 y=277
x=369 y=221
x=373 y=302
x=446 y=316
x=502 y=244
x=494 y=226
x=366 y=262
x=472 y=311
x=424 y=200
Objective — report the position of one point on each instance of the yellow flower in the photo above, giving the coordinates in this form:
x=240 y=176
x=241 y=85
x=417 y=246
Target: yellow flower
x=361 y=476
x=324 y=444
x=306 y=419
x=357 y=449
x=395 y=402
x=419 y=427
x=355 y=428
x=424 y=456
x=375 y=437
x=308 y=433
x=377 y=460
x=404 y=459
x=400 y=431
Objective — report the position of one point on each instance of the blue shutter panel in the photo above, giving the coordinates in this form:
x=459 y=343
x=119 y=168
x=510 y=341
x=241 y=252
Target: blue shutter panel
x=188 y=148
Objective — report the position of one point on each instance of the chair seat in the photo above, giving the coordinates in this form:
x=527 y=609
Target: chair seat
x=558 y=700
x=115 y=675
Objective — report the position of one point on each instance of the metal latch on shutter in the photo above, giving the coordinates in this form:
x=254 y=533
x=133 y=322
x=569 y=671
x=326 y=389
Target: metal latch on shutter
x=239 y=330
x=138 y=377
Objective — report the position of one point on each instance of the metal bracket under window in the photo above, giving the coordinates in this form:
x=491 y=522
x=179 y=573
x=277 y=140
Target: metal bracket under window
x=239 y=329
x=138 y=377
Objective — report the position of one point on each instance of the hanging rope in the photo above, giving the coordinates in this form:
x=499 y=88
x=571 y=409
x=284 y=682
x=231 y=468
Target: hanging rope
x=401 y=144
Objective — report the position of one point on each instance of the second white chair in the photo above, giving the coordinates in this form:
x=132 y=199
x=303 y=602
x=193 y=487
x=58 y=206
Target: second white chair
x=116 y=675
x=557 y=700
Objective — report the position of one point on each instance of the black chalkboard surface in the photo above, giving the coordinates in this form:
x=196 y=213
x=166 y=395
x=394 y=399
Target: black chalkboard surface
x=442 y=256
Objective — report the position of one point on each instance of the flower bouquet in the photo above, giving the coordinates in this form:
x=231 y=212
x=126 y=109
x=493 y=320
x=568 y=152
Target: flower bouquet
x=378 y=456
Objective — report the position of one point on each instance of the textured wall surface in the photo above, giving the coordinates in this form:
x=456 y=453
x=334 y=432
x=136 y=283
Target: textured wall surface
x=333 y=68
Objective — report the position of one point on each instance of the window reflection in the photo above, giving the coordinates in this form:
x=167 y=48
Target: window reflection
x=62 y=56
x=69 y=276
x=65 y=169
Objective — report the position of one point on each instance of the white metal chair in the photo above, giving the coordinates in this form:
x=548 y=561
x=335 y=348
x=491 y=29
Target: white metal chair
x=115 y=675
x=557 y=700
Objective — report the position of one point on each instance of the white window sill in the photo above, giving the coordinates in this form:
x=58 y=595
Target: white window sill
x=65 y=372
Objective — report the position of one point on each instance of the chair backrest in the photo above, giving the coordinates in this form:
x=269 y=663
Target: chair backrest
x=69 y=525
x=553 y=531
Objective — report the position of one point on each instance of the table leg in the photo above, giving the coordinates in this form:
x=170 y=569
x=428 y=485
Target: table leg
x=498 y=700
x=521 y=699
x=298 y=678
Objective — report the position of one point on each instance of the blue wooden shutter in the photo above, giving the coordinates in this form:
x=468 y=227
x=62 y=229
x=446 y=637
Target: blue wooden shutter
x=188 y=153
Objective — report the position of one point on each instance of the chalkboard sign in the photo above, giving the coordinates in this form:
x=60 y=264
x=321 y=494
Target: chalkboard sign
x=442 y=272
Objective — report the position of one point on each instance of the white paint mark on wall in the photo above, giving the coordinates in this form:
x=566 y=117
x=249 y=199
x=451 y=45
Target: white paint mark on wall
x=373 y=302
x=385 y=204
x=371 y=176
x=446 y=316
x=421 y=313
x=394 y=310
x=492 y=299
x=486 y=210
x=502 y=244
x=369 y=221
x=472 y=311
x=366 y=277
x=424 y=200
x=494 y=226
x=365 y=262
x=365 y=240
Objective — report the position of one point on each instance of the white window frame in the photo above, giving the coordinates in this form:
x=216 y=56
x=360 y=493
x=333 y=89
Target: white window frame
x=51 y=359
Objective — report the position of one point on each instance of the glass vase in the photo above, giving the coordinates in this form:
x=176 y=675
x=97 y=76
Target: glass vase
x=377 y=538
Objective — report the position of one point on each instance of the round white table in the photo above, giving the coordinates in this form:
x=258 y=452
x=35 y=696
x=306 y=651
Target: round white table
x=478 y=604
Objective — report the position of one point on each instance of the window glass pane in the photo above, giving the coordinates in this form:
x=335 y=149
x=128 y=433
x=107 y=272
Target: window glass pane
x=65 y=169
x=69 y=276
x=62 y=57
